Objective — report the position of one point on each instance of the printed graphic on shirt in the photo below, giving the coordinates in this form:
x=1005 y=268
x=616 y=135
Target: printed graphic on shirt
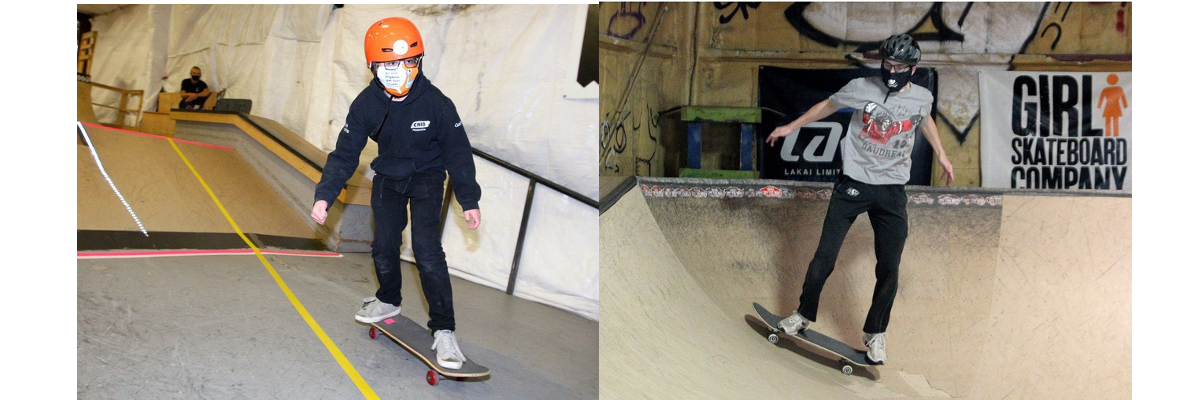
x=879 y=125
x=419 y=126
x=458 y=124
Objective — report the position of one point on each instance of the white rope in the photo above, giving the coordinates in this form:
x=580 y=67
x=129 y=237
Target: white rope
x=110 y=182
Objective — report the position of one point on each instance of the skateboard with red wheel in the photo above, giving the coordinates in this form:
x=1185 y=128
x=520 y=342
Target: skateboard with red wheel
x=849 y=355
x=417 y=340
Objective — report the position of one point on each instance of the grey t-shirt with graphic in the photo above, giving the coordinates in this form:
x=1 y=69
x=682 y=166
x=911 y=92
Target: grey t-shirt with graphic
x=878 y=147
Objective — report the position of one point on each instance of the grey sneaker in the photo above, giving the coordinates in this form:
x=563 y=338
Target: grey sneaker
x=448 y=353
x=876 y=346
x=373 y=311
x=794 y=324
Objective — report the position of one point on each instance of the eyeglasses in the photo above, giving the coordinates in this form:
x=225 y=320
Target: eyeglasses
x=408 y=62
x=896 y=66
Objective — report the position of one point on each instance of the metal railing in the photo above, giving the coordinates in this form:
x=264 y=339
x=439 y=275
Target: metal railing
x=534 y=180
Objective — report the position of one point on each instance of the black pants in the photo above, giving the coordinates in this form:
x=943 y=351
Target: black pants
x=389 y=199
x=198 y=103
x=887 y=206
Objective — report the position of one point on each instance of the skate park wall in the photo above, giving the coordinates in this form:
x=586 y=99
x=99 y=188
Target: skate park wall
x=511 y=71
x=1013 y=294
x=709 y=54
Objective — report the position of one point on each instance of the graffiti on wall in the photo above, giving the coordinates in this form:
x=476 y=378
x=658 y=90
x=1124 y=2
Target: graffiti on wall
x=613 y=141
x=943 y=31
x=617 y=132
x=738 y=7
x=1055 y=24
x=947 y=22
x=1121 y=19
x=627 y=21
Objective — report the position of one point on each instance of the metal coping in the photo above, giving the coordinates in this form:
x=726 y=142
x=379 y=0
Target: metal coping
x=911 y=188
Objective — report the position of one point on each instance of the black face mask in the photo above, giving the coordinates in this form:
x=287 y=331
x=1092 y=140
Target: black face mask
x=895 y=81
x=195 y=77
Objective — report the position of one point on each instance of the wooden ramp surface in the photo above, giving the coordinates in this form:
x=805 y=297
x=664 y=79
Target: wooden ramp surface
x=166 y=195
x=989 y=292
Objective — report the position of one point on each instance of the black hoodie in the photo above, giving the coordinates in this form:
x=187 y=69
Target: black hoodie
x=421 y=133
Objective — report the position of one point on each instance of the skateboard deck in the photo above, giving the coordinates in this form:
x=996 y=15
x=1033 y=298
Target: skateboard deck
x=849 y=355
x=417 y=340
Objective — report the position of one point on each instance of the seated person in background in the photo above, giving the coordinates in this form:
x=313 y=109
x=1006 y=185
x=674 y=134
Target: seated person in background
x=194 y=92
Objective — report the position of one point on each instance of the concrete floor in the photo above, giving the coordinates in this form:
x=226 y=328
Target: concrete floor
x=220 y=327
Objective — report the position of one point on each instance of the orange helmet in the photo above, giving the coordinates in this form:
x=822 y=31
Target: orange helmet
x=392 y=39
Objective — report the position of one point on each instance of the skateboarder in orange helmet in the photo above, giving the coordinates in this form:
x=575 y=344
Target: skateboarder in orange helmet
x=421 y=139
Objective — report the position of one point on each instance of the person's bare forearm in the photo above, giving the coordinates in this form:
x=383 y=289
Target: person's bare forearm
x=931 y=135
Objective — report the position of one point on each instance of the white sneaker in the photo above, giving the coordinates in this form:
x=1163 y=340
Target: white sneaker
x=876 y=347
x=373 y=311
x=448 y=353
x=794 y=324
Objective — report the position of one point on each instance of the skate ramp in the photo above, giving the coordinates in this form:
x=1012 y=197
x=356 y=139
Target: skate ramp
x=1001 y=295
x=171 y=203
x=664 y=338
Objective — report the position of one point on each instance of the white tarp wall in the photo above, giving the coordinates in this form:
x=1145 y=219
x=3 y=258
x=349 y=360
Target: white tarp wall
x=510 y=70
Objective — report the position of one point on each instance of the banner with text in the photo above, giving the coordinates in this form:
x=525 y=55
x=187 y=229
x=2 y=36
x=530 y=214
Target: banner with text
x=1056 y=130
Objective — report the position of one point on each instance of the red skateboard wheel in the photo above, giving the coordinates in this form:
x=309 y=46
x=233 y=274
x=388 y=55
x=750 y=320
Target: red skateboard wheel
x=372 y=333
x=432 y=378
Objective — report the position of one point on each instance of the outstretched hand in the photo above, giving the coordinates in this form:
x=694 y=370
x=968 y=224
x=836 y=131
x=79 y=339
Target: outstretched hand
x=778 y=133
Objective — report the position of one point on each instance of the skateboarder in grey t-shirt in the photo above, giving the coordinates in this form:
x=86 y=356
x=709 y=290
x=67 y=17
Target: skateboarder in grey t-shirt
x=876 y=158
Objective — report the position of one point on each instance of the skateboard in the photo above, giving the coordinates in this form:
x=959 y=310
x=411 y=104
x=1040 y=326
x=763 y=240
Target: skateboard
x=849 y=355
x=417 y=340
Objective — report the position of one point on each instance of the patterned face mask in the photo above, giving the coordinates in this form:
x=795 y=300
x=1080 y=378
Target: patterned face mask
x=398 y=76
x=895 y=80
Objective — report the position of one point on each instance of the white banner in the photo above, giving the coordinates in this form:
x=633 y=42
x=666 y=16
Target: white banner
x=1056 y=130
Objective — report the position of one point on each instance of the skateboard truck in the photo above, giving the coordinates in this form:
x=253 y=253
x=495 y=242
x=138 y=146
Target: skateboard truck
x=846 y=367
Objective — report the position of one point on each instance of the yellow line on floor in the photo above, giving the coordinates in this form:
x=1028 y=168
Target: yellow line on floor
x=312 y=323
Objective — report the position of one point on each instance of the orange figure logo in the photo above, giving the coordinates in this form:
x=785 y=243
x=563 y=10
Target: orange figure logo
x=1115 y=96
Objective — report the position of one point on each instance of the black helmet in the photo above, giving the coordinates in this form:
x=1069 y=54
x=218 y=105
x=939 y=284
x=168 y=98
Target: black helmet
x=902 y=48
